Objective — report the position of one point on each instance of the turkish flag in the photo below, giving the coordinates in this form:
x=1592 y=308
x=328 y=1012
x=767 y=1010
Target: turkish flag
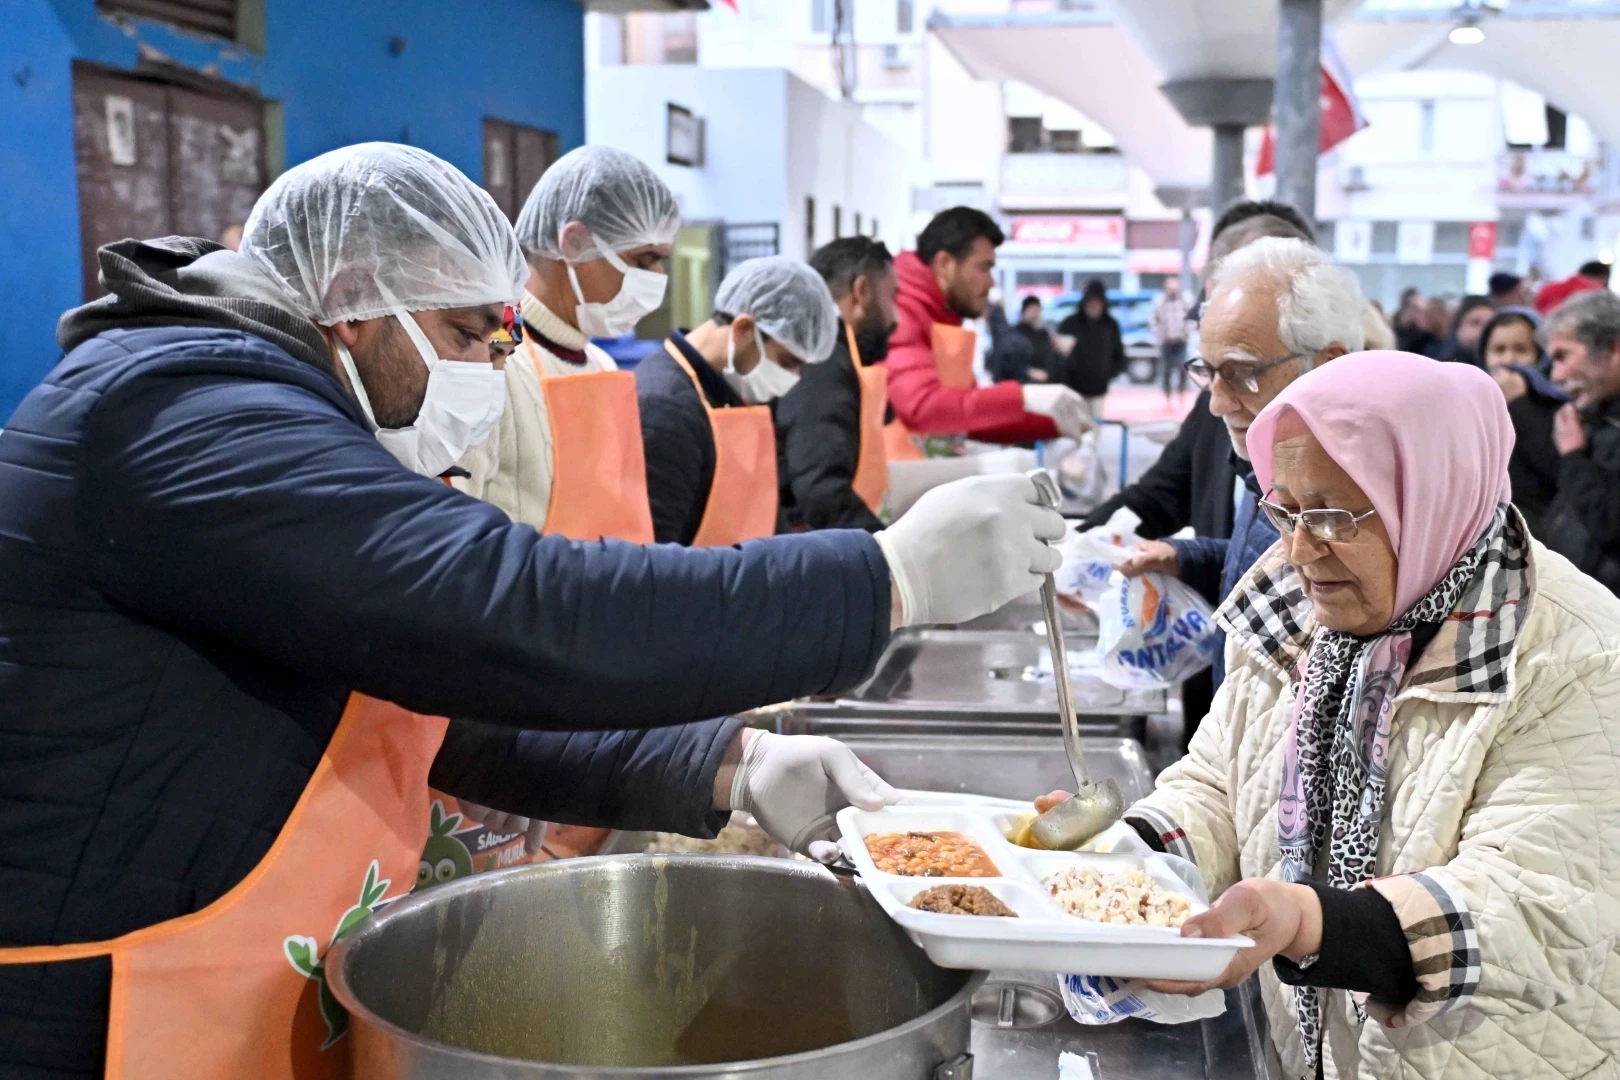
x=1340 y=112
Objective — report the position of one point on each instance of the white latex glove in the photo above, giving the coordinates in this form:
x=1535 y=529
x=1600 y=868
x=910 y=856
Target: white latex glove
x=1067 y=409
x=970 y=546
x=502 y=823
x=794 y=784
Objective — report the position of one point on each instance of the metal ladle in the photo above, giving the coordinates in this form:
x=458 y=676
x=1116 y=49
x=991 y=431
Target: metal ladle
x=1094 y=807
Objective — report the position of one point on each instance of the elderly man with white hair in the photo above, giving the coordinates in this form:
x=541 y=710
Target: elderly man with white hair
x=1274 y=310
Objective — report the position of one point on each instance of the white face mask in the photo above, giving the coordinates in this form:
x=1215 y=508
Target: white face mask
x=640 y=294
x=766 y=382
x=464 y=402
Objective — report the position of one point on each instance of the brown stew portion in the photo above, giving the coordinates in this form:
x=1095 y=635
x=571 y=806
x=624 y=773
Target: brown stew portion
x=930 y=854
x=962 y=900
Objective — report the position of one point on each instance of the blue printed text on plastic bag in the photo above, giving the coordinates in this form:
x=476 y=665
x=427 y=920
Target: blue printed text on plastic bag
x=1155 y=632
x=1096 y=999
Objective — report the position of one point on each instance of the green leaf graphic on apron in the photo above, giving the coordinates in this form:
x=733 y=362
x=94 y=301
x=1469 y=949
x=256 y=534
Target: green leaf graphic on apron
x=305 y=955
x=444 y=858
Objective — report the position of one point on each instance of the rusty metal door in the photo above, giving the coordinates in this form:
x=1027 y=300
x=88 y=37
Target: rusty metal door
x=216 y=165
x=121 y=142
x=515 y=156
x=158 y=160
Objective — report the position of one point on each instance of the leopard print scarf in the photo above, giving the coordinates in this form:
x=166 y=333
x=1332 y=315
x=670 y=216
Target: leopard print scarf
x=1336 y=757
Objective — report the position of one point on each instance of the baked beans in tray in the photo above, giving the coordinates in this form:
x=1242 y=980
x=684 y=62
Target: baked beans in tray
x=930 y=854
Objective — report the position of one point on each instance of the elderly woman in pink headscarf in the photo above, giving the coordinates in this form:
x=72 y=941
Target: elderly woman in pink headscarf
x=1408 y=789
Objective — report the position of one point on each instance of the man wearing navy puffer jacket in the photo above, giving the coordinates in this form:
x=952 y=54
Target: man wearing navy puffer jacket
x=237 y=601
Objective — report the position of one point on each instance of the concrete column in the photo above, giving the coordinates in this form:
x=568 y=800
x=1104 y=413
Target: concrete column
x=1226 y=178
x=1227 y=106
x=1188 y=238
x=1299 y=89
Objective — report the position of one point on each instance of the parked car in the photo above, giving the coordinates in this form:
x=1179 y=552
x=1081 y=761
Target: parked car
x=1133 y=310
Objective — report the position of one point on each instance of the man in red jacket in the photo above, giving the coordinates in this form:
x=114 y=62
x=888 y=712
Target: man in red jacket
x=931 y=387
x=1593 y=275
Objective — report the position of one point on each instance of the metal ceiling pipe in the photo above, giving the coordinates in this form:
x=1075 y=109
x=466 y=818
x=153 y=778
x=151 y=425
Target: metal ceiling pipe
x=1299 y=90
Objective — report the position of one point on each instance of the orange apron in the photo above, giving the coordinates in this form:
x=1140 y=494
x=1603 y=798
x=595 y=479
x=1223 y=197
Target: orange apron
x=238 y=988
x=953 y=348
x=743 y=497
x=598 y=471
x=598 y=489
x=872 y=464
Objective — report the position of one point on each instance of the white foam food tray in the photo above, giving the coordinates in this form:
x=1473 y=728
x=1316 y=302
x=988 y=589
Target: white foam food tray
x=1044 y=937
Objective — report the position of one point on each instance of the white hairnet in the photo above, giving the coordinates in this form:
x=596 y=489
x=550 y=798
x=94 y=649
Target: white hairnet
x=788 y=300
x=359 y=231
x=613 y=194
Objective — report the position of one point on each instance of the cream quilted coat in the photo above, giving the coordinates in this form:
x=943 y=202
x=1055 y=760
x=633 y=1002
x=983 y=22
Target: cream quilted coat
x=1510 y=800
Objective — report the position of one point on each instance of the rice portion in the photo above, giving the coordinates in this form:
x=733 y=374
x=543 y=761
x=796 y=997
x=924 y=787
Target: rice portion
x=1130 y=899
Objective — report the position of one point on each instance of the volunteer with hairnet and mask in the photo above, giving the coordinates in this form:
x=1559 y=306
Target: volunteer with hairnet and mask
x=706 y=420
x=237 y=602
x=567 y=458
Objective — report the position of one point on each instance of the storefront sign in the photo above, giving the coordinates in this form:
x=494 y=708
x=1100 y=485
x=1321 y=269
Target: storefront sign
x=1156 y=261
x=1088 y=232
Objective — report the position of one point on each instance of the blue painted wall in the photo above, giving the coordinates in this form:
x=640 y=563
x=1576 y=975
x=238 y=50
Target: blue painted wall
x=327 y=62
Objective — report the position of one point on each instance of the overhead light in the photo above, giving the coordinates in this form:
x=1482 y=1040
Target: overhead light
x=1466 y=35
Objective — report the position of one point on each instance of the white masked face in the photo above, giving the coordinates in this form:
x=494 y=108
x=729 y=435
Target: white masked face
x=640 y=293
x=766 y=382
x=463 y=403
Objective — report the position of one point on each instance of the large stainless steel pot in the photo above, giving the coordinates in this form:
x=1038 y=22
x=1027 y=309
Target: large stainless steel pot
x=646 y=967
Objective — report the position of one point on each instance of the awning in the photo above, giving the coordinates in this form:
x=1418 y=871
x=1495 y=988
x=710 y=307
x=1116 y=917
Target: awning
x=1562 y=51
x=1207 y=39
x=1085 y=60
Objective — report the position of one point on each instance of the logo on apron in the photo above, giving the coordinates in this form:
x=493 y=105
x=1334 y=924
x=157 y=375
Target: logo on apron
x=307 y=957
x=444 y=858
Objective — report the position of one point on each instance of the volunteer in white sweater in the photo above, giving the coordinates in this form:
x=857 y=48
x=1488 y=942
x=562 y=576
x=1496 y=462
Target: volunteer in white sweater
x=567 y=457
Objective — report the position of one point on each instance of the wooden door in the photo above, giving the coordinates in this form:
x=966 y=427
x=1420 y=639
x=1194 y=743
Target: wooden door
x=160 y=160
x=216 y=168
x=515 y=157
x=121 y=147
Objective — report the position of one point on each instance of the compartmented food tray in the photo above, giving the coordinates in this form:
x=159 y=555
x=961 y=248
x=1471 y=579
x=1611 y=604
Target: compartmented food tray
x=1044 y=936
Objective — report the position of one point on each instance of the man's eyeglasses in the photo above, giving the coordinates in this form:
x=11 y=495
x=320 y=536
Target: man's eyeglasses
x=1243 y=378
x=1333 y=526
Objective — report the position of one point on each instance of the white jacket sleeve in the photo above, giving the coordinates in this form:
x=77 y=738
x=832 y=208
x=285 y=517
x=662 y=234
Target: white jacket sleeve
x=1191 y=806
x=1529 y=908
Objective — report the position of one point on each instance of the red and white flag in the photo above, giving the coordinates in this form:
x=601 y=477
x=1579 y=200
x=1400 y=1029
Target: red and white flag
x=1340 y=111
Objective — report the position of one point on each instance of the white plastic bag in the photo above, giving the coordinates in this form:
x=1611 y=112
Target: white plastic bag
x=1089 y=558
x=1155 y=631
x=1080 y=470
x=1097 y=999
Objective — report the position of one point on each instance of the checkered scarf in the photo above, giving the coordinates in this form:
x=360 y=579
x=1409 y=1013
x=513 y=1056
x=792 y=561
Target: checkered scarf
x=1335 y=761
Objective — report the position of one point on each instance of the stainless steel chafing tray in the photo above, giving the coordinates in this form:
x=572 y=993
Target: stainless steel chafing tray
x=979 y=680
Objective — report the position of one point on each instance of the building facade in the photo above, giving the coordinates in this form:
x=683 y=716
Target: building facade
x=114 y=123
x=1458 y=175
x=1073 y=207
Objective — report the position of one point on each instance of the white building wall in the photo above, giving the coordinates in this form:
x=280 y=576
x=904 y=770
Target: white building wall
x=836 y=158
x=1443 y=169
x=967 y=123
x=771 y=140
x=746 y=133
